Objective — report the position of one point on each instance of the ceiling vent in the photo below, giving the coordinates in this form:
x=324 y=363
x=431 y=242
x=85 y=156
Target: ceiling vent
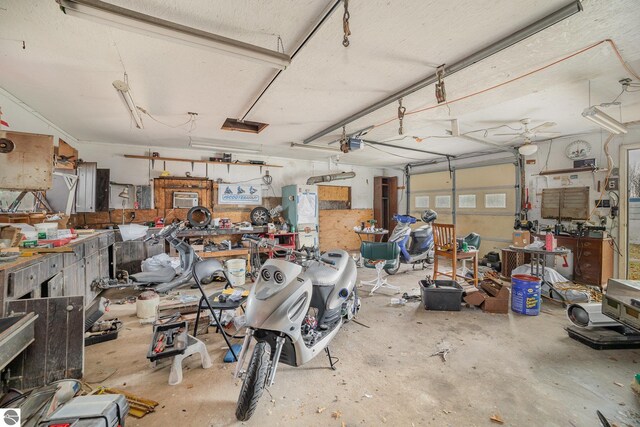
x=243 y=126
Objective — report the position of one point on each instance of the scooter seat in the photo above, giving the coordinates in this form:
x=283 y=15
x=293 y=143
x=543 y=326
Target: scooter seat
x=325 y=275
x=163 y=275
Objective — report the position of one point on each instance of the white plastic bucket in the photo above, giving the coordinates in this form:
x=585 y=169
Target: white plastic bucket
x=47 y=230
x=147 y=305
x=236 y=268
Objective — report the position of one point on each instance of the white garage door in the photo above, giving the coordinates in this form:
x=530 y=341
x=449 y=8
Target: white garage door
x=484 y=201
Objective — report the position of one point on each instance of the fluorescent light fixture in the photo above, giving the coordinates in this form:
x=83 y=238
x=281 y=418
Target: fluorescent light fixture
x=314 y=147
x=205 y=146
x=604 y=120
x=528 y=149
x=125 y=95
x=126 y=19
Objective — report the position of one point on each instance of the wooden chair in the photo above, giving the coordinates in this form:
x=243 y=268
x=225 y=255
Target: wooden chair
x=444 y=243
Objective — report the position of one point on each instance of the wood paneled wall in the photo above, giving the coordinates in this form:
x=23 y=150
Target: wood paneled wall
x=336 y=228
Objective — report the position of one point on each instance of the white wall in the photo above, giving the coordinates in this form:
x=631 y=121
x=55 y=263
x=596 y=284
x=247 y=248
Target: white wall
x=138 y=172
x=22 y=118
x=555 y=152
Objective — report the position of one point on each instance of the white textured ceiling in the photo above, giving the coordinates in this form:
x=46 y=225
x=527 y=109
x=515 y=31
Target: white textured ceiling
x=66 y=70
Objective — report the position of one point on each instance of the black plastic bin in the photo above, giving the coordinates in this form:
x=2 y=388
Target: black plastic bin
x=444 y=295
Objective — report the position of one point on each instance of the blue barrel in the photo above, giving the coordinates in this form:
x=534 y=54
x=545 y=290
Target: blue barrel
x=525 y=294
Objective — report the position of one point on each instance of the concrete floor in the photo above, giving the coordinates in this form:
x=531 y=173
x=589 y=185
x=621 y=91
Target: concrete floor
x=524 y=369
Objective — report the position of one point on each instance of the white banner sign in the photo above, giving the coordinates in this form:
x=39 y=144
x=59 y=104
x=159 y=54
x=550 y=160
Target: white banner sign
x=234 y=194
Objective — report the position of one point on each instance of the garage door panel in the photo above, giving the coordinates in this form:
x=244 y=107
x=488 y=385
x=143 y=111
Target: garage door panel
x=491 y=217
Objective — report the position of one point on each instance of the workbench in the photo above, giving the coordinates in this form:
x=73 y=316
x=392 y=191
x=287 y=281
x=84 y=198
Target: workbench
x=59 y=274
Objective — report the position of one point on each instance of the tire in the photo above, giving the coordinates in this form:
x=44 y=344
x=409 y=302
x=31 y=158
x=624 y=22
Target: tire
x=254 y=381
x=394 y=270
x=259 y=216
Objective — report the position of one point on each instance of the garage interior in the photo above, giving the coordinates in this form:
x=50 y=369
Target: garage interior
x=329 y=212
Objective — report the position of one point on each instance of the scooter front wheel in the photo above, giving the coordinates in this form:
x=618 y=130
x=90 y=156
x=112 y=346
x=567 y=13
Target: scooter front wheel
x=254 y=381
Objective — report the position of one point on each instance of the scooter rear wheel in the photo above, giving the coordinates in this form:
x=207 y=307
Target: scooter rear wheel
x=254 y=381
x=393 y=270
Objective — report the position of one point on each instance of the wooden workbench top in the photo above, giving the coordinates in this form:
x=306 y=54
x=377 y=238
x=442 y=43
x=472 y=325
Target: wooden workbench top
x=23 y=261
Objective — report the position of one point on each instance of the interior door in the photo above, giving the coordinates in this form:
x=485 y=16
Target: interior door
x=385 y=201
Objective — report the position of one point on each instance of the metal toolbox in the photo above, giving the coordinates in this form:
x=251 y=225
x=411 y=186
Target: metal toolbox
x=180 y=341
x=104 y=410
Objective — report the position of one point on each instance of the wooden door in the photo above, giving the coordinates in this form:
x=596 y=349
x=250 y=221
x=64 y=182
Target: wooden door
x=385 y=200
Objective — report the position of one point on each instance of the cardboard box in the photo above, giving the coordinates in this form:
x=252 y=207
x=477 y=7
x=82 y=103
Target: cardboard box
x=521 y=238
x=497 y=300
x=491 y=297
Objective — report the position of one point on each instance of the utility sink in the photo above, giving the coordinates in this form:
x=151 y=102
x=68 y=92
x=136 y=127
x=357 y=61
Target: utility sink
x=16 y=334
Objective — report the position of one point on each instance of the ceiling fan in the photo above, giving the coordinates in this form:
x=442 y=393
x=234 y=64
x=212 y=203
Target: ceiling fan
x=528 y=147
x=530 y=133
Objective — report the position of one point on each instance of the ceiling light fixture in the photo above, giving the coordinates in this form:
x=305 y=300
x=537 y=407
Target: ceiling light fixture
x=528 y=149
x=120 y=17
x=604 y=120
x=125 y=95
x=314 y=147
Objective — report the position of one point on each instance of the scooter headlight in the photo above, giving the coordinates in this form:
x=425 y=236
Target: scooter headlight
x=278 y=276
x=272 y=281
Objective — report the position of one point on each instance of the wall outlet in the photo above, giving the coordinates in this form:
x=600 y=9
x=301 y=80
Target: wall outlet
x=612 y=184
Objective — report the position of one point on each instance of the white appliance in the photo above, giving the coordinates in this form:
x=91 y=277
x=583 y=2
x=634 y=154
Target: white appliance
x=300 y=209
x=185 y=200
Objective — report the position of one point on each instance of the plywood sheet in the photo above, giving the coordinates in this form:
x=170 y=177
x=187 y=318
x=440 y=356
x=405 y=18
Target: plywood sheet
x=163 y=189
x=334 y=193
x=336 y=228
x=30 y=165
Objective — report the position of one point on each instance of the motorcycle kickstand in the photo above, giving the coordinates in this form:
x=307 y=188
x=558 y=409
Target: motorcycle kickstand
x=331 y=359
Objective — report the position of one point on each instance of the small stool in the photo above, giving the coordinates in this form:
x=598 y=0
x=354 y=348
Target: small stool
x=194 y=345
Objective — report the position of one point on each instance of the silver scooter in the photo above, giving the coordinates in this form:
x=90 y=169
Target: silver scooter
x=164 y=279
x=293 y=312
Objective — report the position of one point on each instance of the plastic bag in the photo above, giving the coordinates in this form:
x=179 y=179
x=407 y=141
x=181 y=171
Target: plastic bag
x=160 y=261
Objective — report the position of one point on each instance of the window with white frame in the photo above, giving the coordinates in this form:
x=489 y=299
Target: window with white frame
x=443 y=202
x=422 y=201
x=467 y=201
x=495 y=201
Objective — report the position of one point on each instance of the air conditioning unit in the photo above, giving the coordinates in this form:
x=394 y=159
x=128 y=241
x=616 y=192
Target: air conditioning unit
x=185 y=200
